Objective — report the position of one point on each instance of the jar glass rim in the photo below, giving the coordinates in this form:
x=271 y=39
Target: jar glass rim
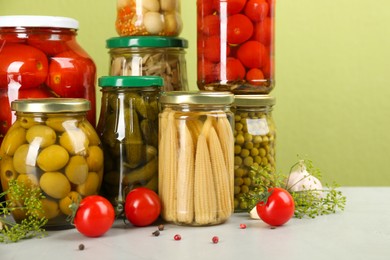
x=38 y=21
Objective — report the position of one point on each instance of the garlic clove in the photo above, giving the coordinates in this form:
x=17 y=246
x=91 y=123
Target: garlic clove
x=253 y=213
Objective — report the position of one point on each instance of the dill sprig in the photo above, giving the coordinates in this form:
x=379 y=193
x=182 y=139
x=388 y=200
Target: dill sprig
x=26 y=199
x=308 y=203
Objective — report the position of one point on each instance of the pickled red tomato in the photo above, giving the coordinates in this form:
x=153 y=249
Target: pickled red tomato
x=251 y=54
x=256 y=10
x=232 y=6
x=231 y=70
x=263 y=31
x=239 y=29
x=22 y=64
x=210 y=25
x=212 y=48
x=255 y=76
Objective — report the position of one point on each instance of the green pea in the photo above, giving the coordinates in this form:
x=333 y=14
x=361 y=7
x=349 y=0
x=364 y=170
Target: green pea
x=239 y=139
x=237 y=160
x=248 y=161
x=237 y=149
x=244 y=153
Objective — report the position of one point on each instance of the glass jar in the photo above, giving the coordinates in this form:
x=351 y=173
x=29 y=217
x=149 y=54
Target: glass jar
x=53 y=146
x=148 y=17
x=254 y=146
x=39 y=58
x=150 y=56
x=128 y=127
x=236 y=46
x=196 y=157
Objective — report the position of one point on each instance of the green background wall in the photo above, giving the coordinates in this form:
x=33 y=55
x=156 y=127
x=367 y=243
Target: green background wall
x=332 y=77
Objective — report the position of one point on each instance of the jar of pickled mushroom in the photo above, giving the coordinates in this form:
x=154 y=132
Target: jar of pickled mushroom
x=128 y=127
x=39 y=58
x=150 y=56
x=254 y=146
x=236 y=46
x=148 y=17
x=53 y=147
x=196 y=157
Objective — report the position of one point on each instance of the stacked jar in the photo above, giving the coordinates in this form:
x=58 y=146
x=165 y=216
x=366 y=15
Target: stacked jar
x=148 y=57
x=235 y=52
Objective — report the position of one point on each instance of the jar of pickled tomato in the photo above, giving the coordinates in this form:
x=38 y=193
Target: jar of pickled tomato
x=39 y=58
x=236 y=46
x=148 y=17
x=51 y=147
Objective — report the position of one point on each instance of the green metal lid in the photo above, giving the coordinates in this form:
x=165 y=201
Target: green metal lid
x=130 y=81
x=253 y=100
x=197 y=97
x=51 y=105
x=146 y=41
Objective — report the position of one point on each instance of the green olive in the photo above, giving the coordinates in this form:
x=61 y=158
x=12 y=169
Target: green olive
x=95 y=158
x=65 y=203
x=41 y=135
x=14 y=138
x=75 y=141
x=55 y=184
x=7 y=171
x=90 y=133
x=91 y=186
x=61 y=124
x=29 y=180
x=50 y=209
x=52 y=158
x=24 y=159
x=28 y=122
x=77 y=169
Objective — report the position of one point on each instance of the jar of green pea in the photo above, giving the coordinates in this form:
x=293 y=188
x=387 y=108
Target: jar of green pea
x=254 y=146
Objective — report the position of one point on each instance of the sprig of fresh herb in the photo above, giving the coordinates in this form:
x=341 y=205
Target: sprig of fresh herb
x=308 y=203
x=27 y=200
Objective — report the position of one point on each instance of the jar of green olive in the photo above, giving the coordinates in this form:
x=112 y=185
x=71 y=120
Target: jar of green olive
x=254 y=146
x=196 y=157
x=128 y=127
x=51 y=153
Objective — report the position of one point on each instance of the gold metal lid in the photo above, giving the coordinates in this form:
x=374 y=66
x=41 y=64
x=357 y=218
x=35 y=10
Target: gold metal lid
x=253 y=100
x=51 y=105
x=197 y=97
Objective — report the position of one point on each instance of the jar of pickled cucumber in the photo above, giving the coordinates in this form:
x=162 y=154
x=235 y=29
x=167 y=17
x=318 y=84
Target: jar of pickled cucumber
x=196 y=157
x=150 y=56
x=128 y=127
x=254 y=146
x=148 y=17
x=52 y=145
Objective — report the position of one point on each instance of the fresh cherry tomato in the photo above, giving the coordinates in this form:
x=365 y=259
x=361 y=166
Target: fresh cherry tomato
x=142 y=206
x=23 y=64
x=256 y=10
x=278 y=209
x=239 y=29
x=232 y=6
x=94 y=216
x=251 y=54
x=69 y=75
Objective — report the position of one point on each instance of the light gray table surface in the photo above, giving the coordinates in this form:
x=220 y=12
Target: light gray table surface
x=362 y=231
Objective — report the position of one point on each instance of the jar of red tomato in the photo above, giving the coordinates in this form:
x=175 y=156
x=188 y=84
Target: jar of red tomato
x=236 y=45
x=39 y=58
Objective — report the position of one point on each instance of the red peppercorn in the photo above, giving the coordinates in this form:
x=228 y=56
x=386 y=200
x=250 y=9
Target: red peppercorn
x=177 y=237
x=215 y=239
x=242 y=226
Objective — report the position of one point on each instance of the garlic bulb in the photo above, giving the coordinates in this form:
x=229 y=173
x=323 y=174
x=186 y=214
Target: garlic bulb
x=301 y=179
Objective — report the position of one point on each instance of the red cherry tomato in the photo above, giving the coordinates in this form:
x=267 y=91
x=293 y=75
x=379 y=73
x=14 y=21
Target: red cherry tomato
x=212 y=48
x=263 y=31
x=68 y=73
x=278 y=209
x=23 y=64
x=251 y=54
x=210 y=25
x=255 y=76
x=206 y=71
x=256 y=10
x=205 y=7
x=5 y=113
x=94 y=216
x=232 y=6
x=239 y=29
x=45 y=43
x=39 y=92
x=234 y=70
x=142 y=206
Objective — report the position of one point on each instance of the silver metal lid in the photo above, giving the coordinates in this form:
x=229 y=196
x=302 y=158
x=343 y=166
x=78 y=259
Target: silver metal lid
x=51 y=105
x=197 y=97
